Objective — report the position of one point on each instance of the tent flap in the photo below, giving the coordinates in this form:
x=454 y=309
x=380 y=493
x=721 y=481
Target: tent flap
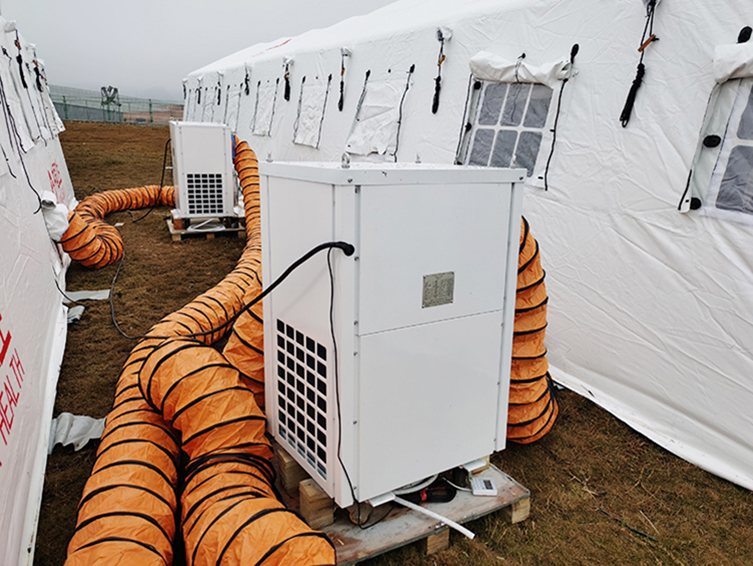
x=490 y=67
x=733 y=62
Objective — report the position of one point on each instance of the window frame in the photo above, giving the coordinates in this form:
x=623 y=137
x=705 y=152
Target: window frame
x=724 y=113
x=471 y=126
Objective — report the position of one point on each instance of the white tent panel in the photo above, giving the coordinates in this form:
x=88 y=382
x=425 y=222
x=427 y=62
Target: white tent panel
x=651 y=310
x=32 y=316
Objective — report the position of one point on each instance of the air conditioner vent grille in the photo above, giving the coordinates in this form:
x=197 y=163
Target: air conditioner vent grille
x=302 y=395
x=204 y=192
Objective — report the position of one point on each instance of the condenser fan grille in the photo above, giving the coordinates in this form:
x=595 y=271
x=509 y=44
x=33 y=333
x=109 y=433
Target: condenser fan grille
x=204 y=192
x=302 y=395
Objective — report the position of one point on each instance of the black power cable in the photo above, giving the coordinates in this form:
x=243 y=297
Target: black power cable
x=346 y=248
x=573 y=52
x=361 y=526
x=161 y=183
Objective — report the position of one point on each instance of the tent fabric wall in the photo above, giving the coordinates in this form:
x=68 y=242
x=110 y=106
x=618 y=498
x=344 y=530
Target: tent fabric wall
x=32 y=315
x=651 y=310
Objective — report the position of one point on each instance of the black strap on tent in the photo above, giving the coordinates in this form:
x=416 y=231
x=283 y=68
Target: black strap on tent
x=38 y=77
x=20 y=61
x=341 y=102
x=400 y=109
x=287 y=81
x=246 y=83
x=438 y=80
x=641 y=71
x=573 y=53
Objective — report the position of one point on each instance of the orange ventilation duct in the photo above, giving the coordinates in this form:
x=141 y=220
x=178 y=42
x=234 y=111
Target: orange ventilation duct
x=92 y=242
x=533 y=406
x=178 y=393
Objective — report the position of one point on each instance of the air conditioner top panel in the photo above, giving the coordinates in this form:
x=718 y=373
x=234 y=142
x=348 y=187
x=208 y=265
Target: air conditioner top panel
x=389 y=173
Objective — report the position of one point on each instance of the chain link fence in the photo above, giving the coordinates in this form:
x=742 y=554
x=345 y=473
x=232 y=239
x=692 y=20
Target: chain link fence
x=109 y=106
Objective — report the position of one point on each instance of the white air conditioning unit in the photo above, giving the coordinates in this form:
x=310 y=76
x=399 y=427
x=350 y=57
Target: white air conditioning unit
x=410 y=375
x=203 y=170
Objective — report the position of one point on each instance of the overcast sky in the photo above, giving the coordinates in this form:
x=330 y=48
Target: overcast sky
x=146 y=47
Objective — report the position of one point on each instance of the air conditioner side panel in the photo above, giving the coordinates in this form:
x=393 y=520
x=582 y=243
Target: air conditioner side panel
x=300 y=401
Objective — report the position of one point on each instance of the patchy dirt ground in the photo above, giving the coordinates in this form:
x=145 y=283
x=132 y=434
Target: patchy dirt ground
x=600 y=492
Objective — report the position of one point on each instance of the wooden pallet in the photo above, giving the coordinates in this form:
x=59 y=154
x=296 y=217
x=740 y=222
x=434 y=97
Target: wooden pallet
x=178 y=235
x=403 y=526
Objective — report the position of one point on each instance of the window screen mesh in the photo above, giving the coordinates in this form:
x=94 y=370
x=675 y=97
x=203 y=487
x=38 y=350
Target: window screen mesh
x=735 y=164
x=736 y=190
x=508 y=126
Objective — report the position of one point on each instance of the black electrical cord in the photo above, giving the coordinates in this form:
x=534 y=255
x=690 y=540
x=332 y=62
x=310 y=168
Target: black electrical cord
x=161 y=183
x=347 y=249
x=573 y=52
x=337 y=399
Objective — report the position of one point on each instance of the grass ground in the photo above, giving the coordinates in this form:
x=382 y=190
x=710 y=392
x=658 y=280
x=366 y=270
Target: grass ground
x=601 y=493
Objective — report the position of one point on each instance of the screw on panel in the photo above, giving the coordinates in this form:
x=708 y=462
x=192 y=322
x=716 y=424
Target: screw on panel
x=355 y=422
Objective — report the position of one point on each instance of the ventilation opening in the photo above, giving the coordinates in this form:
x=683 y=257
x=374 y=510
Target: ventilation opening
x=204 y=191
x=302 y=395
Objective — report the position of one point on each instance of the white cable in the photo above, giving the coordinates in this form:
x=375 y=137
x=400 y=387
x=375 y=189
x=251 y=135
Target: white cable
x=209 y=225
x=418 y=486
x=452 y=524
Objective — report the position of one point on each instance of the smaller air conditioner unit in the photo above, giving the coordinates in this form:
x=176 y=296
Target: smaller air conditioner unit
x=203 y=170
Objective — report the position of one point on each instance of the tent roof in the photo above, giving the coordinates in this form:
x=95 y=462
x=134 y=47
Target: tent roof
x=402 y=16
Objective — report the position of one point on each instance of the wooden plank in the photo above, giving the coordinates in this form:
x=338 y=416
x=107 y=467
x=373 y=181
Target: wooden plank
x=291 y=473
x=179 y=235
x=403 y=526
x=518 y=511
x=437 y=542
x=317 y=508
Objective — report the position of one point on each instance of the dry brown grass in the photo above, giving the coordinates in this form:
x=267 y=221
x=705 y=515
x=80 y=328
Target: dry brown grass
x=592 y=478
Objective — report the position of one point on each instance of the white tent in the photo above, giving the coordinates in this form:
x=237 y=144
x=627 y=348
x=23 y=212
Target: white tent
x=32 y=316
x=649 y=267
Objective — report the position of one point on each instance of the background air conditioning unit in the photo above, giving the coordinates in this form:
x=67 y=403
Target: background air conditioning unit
x=410 y=375
x=203 y=170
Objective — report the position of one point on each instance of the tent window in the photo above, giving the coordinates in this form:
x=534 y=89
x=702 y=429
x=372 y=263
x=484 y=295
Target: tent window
x=745 y=131
x=508 y=127
x=726 y=169
x=736 y=189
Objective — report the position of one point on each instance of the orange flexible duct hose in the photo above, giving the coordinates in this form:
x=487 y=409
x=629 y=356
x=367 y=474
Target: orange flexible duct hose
x=230 y=512
x=533 y=406
x=92 y=242
x=114 y=526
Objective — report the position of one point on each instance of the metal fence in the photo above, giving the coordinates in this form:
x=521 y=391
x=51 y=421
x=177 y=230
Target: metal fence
x=109 y=106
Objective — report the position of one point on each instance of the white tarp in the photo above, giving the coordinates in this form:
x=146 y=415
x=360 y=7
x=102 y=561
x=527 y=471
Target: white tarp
x=266 y=97
x=376 y=124
x=78 y=430
x=651 y=310
x=312 y=106
x=32 y=317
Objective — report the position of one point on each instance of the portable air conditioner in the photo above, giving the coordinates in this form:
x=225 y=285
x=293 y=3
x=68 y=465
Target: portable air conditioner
x=203 y=170
x=397 y=367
